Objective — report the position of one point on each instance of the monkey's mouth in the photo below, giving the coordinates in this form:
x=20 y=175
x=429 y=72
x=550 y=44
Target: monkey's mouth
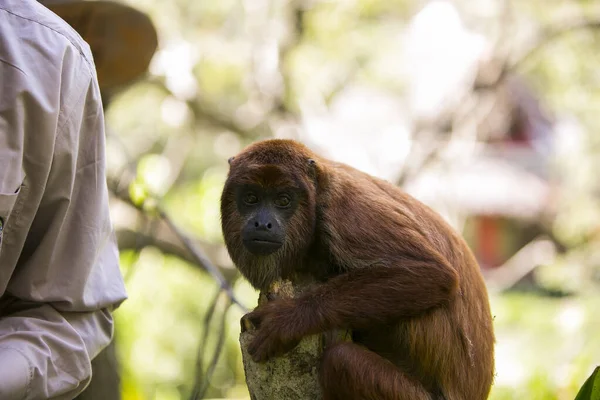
x=262 y=246
x=266 y=241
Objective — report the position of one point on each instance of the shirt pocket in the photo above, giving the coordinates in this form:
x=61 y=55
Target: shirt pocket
x=7 y=208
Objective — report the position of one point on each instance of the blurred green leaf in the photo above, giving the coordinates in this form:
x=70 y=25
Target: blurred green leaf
x=138 y=192
x=591 y=388
x=154 y=171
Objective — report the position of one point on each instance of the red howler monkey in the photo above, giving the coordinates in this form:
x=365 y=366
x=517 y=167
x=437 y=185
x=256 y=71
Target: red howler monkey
x=392 y=271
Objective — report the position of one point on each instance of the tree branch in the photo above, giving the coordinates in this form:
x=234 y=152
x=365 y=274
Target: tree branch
x=195 y=254
x=544 y=37
x=553 y=32
x=297 y=32
x=204 y=112
x=129 y=239
x=538 y=252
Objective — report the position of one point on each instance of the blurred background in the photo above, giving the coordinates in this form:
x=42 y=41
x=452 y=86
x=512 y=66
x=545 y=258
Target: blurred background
x=484 y=110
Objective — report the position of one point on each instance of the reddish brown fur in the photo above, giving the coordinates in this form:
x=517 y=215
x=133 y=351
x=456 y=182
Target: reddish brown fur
x=393 y=270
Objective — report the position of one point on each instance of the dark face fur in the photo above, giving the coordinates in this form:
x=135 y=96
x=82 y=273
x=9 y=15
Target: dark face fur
x=268 y=212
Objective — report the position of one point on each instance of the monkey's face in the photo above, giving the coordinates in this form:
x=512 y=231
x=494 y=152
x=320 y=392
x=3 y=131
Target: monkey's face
x=266 y=213
x=267 y=229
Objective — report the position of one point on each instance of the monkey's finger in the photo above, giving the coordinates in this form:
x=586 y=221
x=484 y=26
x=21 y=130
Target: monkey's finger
x=257 y=355
x=246 y=324
x=255 y=318
x=258 y=349
x=259 y=358
x=254 y=345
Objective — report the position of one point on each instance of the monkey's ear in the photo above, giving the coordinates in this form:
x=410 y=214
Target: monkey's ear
x=230 y=160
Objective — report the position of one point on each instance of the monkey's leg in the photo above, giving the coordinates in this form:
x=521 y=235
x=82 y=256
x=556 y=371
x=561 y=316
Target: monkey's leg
x=352 y=372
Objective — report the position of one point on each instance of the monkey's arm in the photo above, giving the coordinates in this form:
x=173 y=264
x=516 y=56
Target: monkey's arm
x=379 y=294
x=373 y=295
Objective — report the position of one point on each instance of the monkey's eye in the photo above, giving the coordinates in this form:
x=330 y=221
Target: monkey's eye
x=282 y=201
x=250 y=199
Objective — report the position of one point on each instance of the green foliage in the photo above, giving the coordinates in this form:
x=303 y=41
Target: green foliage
x=196 y=204
x=220 y=78
x=160 y=324
x=591 y=388
x=545 y=347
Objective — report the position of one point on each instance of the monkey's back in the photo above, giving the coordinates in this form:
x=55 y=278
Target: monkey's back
x=451 y=346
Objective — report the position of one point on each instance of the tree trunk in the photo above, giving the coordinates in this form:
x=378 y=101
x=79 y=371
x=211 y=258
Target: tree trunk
x=293 y=375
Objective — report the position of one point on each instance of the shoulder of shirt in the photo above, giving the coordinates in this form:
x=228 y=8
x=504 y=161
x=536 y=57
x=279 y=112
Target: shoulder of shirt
x=32 y=12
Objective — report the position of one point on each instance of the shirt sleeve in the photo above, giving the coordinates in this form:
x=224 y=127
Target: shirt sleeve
x=46 y=354
x=55 y=314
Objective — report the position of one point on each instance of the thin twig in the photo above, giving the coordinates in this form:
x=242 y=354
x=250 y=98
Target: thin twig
x=197 y=254
x=203 y=379
x=205 y=112
x=553 y=32
x=202 y=345
x=200 y=257
x=544 y=37
x=140 y=243
x=216 y=354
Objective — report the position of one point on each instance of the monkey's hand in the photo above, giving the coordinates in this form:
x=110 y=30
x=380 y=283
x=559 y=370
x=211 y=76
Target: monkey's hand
x=278 y=329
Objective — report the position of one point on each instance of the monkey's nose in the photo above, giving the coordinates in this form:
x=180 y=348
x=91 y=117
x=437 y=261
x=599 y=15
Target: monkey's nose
x=263 y=235
x=263 y=225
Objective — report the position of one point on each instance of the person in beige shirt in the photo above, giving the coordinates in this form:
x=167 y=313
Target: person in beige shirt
x=59 y=267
